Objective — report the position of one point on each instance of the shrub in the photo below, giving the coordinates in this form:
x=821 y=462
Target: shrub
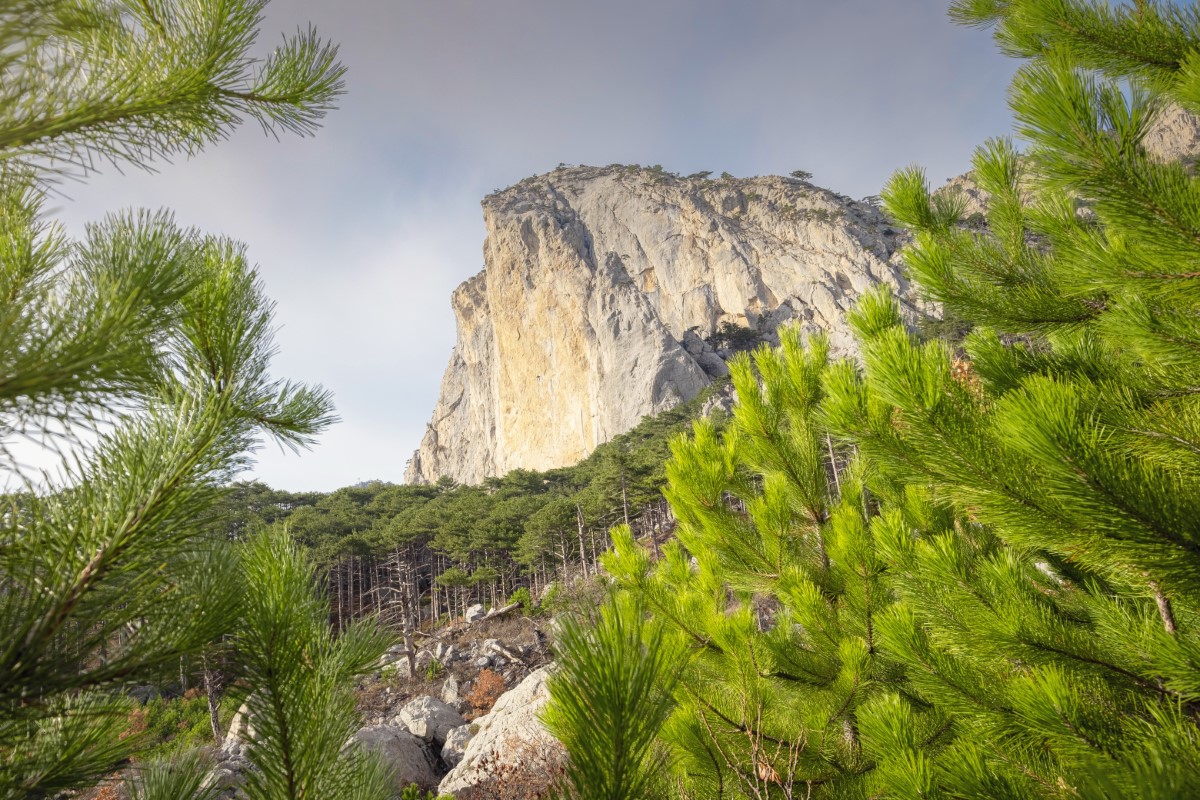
x=414 y=792
x=171 y=726
x=550 y=598
x=532 y=774
x=732 y=336
x=523 y=597
x=486 y=691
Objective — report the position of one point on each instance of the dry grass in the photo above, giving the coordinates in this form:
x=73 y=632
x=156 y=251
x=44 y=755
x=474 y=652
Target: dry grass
x=374 y=698
x=512 y=630
x=531 y=773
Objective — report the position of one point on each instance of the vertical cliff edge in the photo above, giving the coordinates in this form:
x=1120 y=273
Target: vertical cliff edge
x=600 y=287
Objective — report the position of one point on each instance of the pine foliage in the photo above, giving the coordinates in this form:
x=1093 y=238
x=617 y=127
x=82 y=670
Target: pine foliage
x=609 y=695
x=997 y=595
x=136 y=359
x=301 y=706
x=1057 y=627
x=776 y=588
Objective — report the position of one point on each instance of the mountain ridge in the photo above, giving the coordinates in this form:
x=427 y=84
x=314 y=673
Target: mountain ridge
x=601 y=286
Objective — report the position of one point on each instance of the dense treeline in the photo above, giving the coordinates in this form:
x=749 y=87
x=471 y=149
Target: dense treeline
x=413 y=553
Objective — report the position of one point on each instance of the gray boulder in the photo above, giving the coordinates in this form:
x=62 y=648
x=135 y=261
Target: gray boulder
x=456 y=745
x=512 y=723
x=475 y=613
x=403 y=753
x=239 y=733
x=450 y=690
x=430 y=719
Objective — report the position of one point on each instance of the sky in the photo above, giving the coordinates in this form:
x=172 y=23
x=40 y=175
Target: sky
x=361 y=232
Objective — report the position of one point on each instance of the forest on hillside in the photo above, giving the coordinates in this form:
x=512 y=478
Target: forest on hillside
x=412 y=554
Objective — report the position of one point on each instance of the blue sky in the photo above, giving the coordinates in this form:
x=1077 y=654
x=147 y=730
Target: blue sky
x=362 y=232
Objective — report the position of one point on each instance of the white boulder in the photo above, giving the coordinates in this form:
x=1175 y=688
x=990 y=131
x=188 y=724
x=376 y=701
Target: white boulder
x=498 y=740
x=430 y=719
x=456 y=745
x=405 y=754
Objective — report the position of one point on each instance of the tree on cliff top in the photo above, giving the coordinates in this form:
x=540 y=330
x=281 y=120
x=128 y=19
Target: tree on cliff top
x=145 y=347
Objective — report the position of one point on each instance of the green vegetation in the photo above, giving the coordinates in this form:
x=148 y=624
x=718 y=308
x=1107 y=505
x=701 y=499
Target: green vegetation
x=146 y=348
x=178 y=724
x=434 y=670
x=414 y=792
x=415 y=553
x=610 y=694
x=522 y=597
x=922 y=575
x=301 y=700
x=949 y=328
x=731 y=336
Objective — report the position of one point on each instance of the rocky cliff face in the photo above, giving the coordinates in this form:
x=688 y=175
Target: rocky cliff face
x=599 y=288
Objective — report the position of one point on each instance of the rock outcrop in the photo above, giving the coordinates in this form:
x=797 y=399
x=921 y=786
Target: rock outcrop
x=430 y=719
x=406 y=755
x=599 y=288
x=1174 y=136
x=502 y=736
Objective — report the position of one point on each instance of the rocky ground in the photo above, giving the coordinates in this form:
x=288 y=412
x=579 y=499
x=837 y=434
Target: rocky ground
x=466 y=724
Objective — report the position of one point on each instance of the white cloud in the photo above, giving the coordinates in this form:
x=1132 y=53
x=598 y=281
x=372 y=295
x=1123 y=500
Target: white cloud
x=362 y=232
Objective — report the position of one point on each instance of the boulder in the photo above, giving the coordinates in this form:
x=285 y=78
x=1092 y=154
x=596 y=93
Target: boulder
x=226 y=776
x=450 y=693
x=240 y=731
x=430 y=719
x=456 y=745
x=405 y=754
x=511 y=723
x=494 y=649
x=475 y=613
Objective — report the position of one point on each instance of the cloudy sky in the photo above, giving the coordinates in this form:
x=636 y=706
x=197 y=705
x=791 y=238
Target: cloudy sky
x=362 y=232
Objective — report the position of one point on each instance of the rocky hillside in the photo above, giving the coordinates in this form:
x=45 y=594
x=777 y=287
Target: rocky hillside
x=600 y=287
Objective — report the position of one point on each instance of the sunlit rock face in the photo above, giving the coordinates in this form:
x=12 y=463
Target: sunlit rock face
x=599 y=288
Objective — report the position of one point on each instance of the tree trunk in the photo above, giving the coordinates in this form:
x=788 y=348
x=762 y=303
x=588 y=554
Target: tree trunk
x=624 y=497
x=582 y=550
x=212 y=689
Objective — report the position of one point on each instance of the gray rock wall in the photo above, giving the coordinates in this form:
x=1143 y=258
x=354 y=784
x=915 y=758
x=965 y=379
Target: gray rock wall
x=598 y=282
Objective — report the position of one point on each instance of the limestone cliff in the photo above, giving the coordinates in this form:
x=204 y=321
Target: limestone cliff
x=599 y=288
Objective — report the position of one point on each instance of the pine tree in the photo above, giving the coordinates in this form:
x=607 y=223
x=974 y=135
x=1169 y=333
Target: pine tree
x=609 y=696
x=301 y=705
x=776 y=588
x=1023 y=519
x=1058 y=627
x=142 y=350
